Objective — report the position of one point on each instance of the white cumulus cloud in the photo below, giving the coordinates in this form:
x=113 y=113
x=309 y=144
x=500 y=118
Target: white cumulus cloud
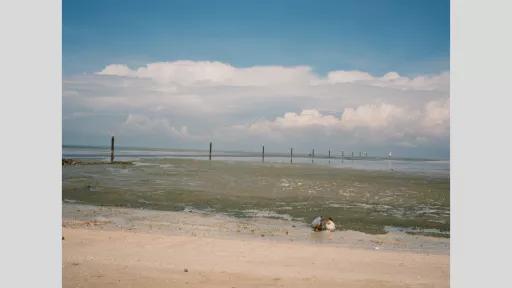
x=348 y=76
x=372 y=116
x=391 y=80
x=185 y=72
x=189 y=102
x=212 y=73
x=404 y=125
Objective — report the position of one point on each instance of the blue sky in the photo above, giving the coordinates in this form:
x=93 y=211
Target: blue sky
x=409 y=37
x=358 y=75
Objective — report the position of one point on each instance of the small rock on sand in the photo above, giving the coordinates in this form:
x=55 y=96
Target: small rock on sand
x=185 y=270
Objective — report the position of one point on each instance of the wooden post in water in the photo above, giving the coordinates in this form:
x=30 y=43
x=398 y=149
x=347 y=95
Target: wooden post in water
x=210 y=155
x=291 y=155
x=112 y=150
x=329 y=153
x=342 y=154
x=352 y=155
x=359 y=154
x=312 y=155
x=263 y=154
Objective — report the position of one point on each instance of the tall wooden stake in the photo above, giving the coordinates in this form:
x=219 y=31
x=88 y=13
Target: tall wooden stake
x=263 y=154
x=291 y=155
x=112 y=150
x=210 y=155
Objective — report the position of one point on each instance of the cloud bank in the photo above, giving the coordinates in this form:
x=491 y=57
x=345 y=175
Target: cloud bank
x=207 y=73
x=187 y=103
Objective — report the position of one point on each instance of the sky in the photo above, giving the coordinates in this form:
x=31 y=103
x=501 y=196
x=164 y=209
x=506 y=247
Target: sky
x=342 y=75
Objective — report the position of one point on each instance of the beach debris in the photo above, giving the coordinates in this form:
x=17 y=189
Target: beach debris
x=70 y=162
x=262 y=235
x=74 y=162
x=93 y=222
x=321 y=223
x=185 y=270
x=63 y=238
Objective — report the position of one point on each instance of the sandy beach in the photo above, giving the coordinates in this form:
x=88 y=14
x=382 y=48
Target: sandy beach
x=121 y=247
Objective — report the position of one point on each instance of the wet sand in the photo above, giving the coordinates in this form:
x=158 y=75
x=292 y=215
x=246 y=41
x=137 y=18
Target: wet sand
x=119 y=247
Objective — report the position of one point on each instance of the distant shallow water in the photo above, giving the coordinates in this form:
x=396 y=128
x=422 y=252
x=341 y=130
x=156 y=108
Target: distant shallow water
x=417 y=166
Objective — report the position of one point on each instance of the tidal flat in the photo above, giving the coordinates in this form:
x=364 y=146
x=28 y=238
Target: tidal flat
x=373 y=202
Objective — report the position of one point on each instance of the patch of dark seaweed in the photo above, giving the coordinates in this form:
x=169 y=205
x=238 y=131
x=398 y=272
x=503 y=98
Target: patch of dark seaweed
x=74 y=162
x=431 y=234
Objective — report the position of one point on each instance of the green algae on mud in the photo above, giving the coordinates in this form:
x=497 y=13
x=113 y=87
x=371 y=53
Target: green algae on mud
x=73 y=162
x=366 y=201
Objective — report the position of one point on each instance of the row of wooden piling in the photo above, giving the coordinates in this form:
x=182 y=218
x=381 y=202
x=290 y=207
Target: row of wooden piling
x=291 y=154
x=262 y=153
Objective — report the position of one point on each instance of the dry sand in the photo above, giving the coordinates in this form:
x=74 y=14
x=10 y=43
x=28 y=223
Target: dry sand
x=116 y=247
